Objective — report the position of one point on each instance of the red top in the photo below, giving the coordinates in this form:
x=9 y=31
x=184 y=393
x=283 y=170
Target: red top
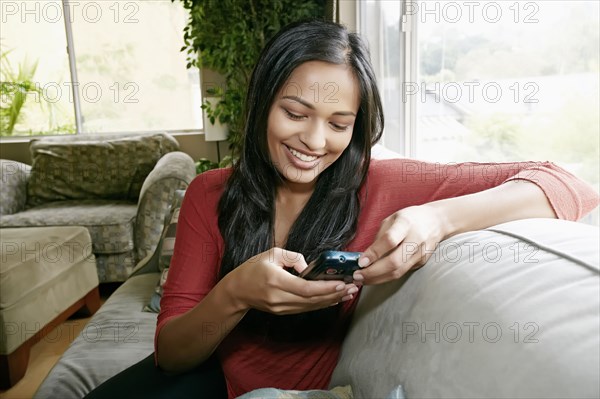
x=250 y=363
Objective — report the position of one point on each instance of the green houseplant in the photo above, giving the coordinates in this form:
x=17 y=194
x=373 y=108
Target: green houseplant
x=226 y=36
x=15 y=86
x=19 y=94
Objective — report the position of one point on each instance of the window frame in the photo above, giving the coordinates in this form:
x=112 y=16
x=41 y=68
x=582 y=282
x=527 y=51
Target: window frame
x=404 y=141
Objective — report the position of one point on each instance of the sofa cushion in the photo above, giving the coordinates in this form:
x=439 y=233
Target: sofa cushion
x=511 y=311
x=92 y=167
x=110 y=223
x=118 y=336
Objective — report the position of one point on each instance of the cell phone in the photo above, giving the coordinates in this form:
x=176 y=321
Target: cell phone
x=332 y=265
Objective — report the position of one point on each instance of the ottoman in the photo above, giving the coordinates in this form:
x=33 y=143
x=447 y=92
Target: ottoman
x=46 y=275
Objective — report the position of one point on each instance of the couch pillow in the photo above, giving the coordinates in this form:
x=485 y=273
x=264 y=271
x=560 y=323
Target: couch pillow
x=165 y=250
x=91 y=168
x=341 y=392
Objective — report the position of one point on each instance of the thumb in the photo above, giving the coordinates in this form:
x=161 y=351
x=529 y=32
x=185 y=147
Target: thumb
x=389 y=236
x=365 y=259
x=290 y=259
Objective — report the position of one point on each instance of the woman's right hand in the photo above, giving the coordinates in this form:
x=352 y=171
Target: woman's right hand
x=262 y=283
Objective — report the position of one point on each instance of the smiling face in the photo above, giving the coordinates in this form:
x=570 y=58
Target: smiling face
x=311 y=121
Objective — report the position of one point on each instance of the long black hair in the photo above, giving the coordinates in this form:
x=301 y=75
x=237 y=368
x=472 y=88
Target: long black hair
x=329 y=219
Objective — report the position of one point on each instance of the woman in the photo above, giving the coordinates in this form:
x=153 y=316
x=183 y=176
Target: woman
x=305 y=183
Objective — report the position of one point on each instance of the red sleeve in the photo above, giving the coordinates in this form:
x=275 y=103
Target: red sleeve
x=412 y=182
x=198 y=247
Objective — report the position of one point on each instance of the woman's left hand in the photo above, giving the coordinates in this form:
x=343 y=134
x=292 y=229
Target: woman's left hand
x=406 y=239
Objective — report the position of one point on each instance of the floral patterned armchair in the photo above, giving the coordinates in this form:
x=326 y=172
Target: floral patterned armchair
x=117 y=186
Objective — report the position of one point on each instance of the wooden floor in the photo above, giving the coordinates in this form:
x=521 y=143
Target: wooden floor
x=46 y=353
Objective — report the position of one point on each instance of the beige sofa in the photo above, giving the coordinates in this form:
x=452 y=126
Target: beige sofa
x=510 y=311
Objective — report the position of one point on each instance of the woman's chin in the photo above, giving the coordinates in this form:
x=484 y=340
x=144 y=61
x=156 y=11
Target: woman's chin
x=308 y=178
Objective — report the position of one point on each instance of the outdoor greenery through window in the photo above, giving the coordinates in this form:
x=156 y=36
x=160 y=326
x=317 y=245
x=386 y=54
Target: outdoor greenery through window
x=492 y=81
x=129 y=72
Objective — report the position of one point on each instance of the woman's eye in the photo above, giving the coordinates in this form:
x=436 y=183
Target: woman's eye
x=293 y=116
x=339 y=128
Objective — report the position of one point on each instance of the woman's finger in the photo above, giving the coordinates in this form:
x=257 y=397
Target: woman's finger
x=282 y=258
x=381 y=271
x=390 y=235
x=392 y=266
x=290 y=302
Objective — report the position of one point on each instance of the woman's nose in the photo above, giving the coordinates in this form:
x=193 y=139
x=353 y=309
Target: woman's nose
x=314 y=137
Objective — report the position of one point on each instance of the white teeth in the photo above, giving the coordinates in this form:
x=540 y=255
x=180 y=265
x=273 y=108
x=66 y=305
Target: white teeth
x=302 y=157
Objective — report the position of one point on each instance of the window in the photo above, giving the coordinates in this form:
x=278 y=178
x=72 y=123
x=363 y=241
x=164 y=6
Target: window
x=34 y=71
x=489 y=80
x=127 y=71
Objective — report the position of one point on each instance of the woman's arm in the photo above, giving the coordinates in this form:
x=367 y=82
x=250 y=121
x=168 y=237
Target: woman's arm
x=190 y=338
x=260 y=283
x=513 y=200
x=408 y=237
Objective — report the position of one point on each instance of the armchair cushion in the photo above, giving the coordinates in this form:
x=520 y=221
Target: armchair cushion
x=110 y=223
x=93 y=167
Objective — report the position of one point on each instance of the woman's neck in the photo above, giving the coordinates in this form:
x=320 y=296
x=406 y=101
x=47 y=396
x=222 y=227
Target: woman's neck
x=298 y=190
x=288 y=206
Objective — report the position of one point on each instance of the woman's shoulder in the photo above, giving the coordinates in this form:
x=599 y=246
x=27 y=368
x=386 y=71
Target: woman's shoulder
x=392 y=173
x=211 y=182
x=383 y=167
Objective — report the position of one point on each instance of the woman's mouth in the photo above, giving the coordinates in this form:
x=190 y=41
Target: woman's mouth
x=301 y=160
x=301 y=156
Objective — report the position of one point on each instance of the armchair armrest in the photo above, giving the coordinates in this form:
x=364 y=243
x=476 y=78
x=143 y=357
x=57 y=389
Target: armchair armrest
x=174 y=171
x=13 y=193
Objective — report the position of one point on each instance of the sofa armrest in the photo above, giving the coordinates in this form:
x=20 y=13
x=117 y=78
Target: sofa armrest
x=510 y=311
x=13 y=193
x=118 y=336
x=174 y=171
